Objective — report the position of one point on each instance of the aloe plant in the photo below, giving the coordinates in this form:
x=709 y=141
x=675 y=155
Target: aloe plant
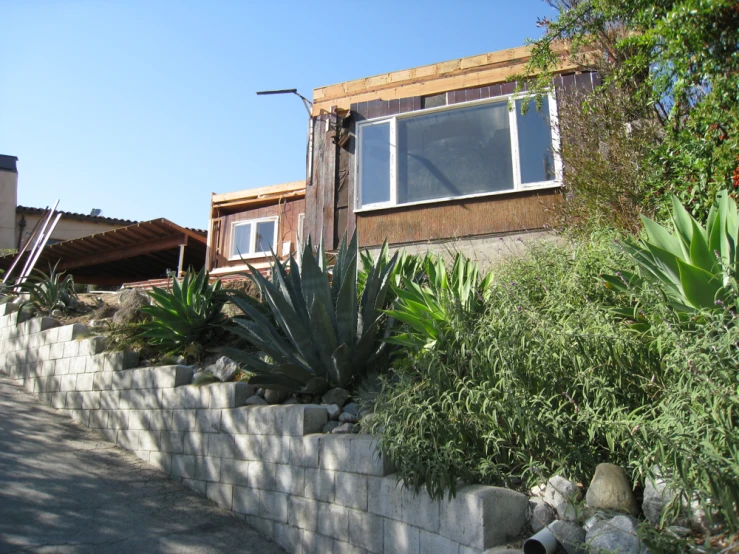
x=693 y=265
x=48 y=291
x=186 y=316
x=424 y=308
x=326 y=333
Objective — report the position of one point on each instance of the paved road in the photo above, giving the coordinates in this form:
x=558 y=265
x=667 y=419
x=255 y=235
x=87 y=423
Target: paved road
x=64 y=489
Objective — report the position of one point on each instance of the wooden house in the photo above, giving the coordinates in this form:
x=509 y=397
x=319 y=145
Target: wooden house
x=435 y=154
x=248 y=226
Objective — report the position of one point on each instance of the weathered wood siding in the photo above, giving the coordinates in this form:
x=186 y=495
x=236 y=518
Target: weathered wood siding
x=330 y=191
x=287 y=229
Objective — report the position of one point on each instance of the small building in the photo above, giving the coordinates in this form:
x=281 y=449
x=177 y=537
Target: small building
x=429 y=155
x=249 y=226
x=8 y=199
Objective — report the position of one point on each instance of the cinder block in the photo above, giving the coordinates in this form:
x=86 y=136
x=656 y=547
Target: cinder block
x=431 y=543
x=171 y=441
x=262 y=476
x=50 y=336
x=483 y=517
x=287 y=537
x=221 y=445
x=56 y=351
x=419 y=510
x=102 y=380
x=208 y=468
x=191 y=397
x=57 y=400
x=275 y=449
x=183 y=466
x=162 y=461
x=247 y=447
x=164 y=377
x=235 y=472
x=95 y=363
x=304 y=451
x=118 y=419
x=366 y=531
x=71 y=332
x=273 y=505
x=90 y=400
x=384 y=497
x=303 y=513
x=333 y=521
x=110 y=399
x=400 y=538
x=201 y=421
x=67 y=382
x=235 y=421
x=117 y=361
x=261 y=525
x=61 y=366
x=195 y=443
x=351 y=490
x=200 y=487
x=49 y=384
x=320 y=484
x=93 y=345
x=141 y=399
x=78 y=364
x=71 y=349
x=138 y=419
x=355 y=453
x=290 y=480
x=294 y=420
x=220 y=494
x=80 y=416
x=246 y=501
x=313 y=542
x=84 y=381
x=229 y=395
x=99 y=419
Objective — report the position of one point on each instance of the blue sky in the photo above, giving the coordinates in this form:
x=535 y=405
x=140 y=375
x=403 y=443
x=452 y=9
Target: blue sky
x=143 y=108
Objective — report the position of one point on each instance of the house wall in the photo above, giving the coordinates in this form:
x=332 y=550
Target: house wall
x=330 y=189
x=8 y=200
x=287 y=231
x=68 y=227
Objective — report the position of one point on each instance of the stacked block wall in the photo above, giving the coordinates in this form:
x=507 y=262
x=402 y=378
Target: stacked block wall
x=309 y=492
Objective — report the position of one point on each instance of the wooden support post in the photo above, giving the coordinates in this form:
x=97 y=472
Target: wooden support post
x=181 y=260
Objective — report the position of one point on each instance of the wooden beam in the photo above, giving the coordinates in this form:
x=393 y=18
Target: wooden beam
x=272 y=190
x=123 y=253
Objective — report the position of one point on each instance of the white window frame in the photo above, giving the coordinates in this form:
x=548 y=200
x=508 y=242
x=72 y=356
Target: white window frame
x=252 y=238
x=513 y=124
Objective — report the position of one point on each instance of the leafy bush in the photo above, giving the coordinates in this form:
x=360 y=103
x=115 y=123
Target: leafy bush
x=694 y=266
x=424 y=308
x=326 y=334
x=48 y=292
x=188 y=317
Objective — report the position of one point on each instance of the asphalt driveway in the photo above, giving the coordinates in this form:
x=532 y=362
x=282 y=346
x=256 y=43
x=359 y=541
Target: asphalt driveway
x=64 y=489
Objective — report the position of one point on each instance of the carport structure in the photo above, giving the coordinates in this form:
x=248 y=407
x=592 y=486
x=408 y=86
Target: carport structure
x=140 y=252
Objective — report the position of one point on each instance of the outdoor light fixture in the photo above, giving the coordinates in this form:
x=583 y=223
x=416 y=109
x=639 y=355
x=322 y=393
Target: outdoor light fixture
x=307 y=103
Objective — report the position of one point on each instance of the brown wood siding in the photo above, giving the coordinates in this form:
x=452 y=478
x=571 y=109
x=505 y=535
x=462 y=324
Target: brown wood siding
x=287 y=229
x=330 y=194
x=521 y=211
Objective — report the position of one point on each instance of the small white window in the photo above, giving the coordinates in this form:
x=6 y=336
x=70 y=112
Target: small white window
x=252 y=238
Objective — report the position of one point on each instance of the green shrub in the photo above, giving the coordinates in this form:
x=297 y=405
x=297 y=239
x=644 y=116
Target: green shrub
x=48 y=292
x=326 y=334
x=188 y=317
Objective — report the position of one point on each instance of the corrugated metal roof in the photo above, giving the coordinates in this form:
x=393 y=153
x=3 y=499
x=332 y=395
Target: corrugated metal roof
x=78 y=216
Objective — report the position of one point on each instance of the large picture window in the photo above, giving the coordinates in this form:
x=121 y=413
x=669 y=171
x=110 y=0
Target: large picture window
x=253 y=237
x=455 y=152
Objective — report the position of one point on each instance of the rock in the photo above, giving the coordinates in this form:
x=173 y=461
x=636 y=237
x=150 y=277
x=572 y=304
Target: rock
x=224 y=369
x=541 y=514
x=572 y=512
x=352 y=409
x=336 y=396
x=260 y=392
x=597 y=517
x=656 y=496
x=348 y=418
x=333 y=411
x=330 y=426
x=131 y=301
x=255 y=400
x=275 y=396
x=538 y=490
x=291 y=400
x=57 y=313
x=345 y=428
x=569 y=535
x=560 y=493
x=615 y=536
x=181 y=360
x=610 y=490
x=98 y=324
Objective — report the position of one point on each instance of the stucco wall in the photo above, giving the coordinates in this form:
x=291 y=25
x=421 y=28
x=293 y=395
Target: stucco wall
x=68 y=228
x=309 y=492
x=8 y=200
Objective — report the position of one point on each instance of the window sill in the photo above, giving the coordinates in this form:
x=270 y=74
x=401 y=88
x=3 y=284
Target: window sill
x=250 y=256
x=543 y=186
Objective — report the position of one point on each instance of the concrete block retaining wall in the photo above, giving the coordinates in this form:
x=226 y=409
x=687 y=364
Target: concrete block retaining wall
x=309 y=492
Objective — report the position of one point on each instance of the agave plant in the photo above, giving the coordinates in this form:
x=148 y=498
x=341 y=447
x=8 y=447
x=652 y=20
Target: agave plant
x=187 y=315
x=48 y=291
x=424 y=308
x=326 y=333
x=693 y=265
